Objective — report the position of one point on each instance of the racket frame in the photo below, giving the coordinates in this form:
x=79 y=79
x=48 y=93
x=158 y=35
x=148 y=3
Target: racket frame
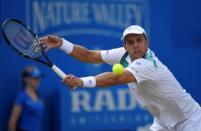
x=48 y=62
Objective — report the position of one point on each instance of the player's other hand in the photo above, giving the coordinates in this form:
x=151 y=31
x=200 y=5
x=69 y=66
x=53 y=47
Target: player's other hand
x=51 y=41
x=72 y=81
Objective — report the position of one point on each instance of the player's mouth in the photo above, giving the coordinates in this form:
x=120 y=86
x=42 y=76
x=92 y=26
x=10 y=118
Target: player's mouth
x=137 y=52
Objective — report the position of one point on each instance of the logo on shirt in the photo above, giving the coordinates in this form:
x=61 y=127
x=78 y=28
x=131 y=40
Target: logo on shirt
x=133 y=69
x=138 y=63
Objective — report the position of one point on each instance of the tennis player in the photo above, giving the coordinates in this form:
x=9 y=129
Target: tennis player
x=151 y=82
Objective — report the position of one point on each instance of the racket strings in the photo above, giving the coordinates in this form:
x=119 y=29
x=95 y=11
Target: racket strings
x=22 y=39
x=11 y=34
x=11 y=37
x=30 y=48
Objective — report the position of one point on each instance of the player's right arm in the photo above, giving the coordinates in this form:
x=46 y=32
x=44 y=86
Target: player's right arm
x=83 y=54
x=79 y=52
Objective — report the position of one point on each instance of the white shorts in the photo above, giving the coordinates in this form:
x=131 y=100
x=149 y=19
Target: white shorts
x=191 y=124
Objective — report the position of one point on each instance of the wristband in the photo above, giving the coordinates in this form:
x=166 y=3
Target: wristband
x=67 y=46
x=89 y=81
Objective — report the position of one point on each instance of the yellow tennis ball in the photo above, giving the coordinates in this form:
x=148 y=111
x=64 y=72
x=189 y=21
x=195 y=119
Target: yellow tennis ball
x=117 y=69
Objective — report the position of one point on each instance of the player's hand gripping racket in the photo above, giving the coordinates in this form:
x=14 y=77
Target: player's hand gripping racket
x=25 y=43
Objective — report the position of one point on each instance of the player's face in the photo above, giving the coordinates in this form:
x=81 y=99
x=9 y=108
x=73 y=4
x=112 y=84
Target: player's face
x=33 y=82
x=136 y=45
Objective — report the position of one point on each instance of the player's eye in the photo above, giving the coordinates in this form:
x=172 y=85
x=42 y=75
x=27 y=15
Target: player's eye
x=129 y=42
x=139 y=40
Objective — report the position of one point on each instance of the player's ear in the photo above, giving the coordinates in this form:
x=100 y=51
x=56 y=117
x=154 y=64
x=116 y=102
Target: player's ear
x=147 y=41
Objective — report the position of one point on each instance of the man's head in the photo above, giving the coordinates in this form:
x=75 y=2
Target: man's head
x=135 y=41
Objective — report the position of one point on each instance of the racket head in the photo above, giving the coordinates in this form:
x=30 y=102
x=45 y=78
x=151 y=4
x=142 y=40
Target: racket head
x=21 y=38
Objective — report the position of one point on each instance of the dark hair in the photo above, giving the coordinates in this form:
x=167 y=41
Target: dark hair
x=25 y=71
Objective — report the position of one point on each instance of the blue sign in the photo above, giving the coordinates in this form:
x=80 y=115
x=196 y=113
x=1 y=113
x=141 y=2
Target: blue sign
x=98 y=25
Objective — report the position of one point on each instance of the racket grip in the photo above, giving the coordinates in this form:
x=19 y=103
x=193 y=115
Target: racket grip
x=59 y=72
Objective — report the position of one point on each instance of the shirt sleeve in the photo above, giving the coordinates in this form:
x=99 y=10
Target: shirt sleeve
x=20 y=99
x=142 y=70
x=112 y=56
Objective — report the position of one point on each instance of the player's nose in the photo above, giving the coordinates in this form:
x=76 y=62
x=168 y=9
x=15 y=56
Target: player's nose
x=135 y=45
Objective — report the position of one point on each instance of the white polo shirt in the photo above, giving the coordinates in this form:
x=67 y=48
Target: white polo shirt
x=156 y=88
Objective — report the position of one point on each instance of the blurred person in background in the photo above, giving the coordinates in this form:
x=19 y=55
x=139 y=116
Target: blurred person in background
x=28 y=109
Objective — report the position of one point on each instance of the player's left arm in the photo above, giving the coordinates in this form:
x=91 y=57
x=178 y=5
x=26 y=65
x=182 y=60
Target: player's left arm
x=101 y=80
x=110 y=79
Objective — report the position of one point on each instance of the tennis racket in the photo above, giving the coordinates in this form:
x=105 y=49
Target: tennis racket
x=26 y=43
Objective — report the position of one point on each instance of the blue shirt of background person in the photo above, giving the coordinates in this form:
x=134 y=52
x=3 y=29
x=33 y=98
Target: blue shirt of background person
x=28 y=110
